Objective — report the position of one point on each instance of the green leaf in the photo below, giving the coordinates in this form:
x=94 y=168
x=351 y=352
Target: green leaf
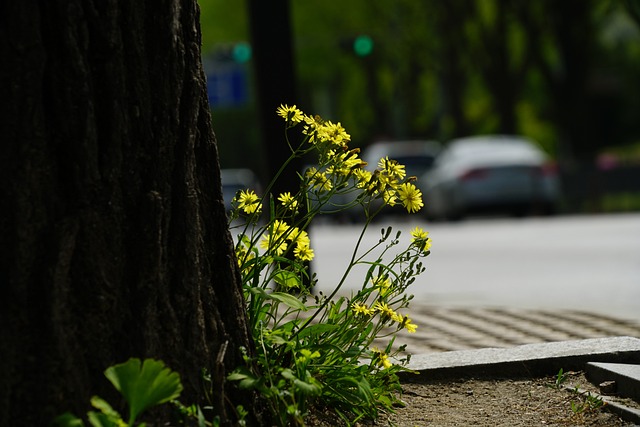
x=287 y=279
x=144 y=384
x=98 y=419
x=202 y=422
x=248 y=383
x=245 y=377
x=288 y=374
x=318 y=328
x=68 y=420
x=288 y=300
x=306 y=388
x=278 y=340
x=104 y=407
x=239 y=374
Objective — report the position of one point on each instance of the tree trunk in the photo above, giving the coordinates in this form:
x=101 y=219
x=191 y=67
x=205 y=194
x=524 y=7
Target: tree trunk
x=452 y=75
x=113 y=231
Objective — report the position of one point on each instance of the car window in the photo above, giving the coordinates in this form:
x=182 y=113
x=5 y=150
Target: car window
x=415 y=165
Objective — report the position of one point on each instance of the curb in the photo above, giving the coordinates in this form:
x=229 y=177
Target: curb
x=526 y=360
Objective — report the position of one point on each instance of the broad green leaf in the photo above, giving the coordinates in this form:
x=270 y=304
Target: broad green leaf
x=68 y=420
x=248 y=383
x=245 y=377
x=288 y=374
x=287 y=279
x=278 y=340
x=98 y=419
x=306 y=388
x=258 y=291
x=144 y=384
x=288 y=300
x=104 y=407
x=239 y=374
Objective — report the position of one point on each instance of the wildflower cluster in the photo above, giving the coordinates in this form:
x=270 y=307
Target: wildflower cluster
x=320 y=349
x=249 y=202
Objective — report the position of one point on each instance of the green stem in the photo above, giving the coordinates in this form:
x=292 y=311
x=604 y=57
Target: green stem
x=342 y=280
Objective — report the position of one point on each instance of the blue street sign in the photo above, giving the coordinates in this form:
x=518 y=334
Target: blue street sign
x=227 y=85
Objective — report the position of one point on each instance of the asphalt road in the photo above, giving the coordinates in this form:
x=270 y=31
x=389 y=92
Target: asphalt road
x=587 y=263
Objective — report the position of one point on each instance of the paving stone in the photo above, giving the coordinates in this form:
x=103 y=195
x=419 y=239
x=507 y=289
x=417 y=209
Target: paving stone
x=447 y=328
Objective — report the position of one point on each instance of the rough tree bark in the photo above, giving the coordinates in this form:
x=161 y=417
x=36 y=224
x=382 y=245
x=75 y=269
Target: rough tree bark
x=113 y=232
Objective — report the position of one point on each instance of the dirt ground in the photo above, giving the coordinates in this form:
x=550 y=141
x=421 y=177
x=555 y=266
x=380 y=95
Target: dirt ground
x=530 y=402
x=491 y=403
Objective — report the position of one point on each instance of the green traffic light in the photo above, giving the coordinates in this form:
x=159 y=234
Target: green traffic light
x=363 y=45
x=241 y=52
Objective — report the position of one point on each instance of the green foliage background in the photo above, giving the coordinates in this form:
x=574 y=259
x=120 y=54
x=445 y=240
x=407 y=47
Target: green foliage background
x=492 y=52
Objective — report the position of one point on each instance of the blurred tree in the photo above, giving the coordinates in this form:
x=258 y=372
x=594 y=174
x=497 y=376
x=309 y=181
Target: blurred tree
x=503 y=66
x=223 y=21
x=451 y=19
x=567 y=72
x=447 y=69
x=271 y=39
x=114 y=236
x=633 y=9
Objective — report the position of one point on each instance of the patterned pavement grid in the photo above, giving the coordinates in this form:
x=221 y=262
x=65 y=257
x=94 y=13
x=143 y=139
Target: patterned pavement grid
x=447 y=329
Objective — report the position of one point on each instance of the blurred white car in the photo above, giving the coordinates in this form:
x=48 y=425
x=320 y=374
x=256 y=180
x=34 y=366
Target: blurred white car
x=416 y=155
x=493 y=173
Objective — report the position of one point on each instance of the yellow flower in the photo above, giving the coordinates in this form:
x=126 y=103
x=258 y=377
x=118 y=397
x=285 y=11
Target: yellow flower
x=410 y=197
x=381 y=358
x=384 y=309
x=333 y=133
x=273 y=240
x=279 y=227
x=363 y=177
x=361 y=309
x=248 y=201
x=288 y=201
x=397 y=318
x=384 y=361
x=384 y=283
x=290 y=114
x=303 y=252
x=275 y=244
x=318 y=180
x=389 y=197
x=421 y=239
x=392 y=169
x=312 y=124
x=418 y=234
x=345 y=163
x=405 y=322
x=411 y=327
x=299 y=237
